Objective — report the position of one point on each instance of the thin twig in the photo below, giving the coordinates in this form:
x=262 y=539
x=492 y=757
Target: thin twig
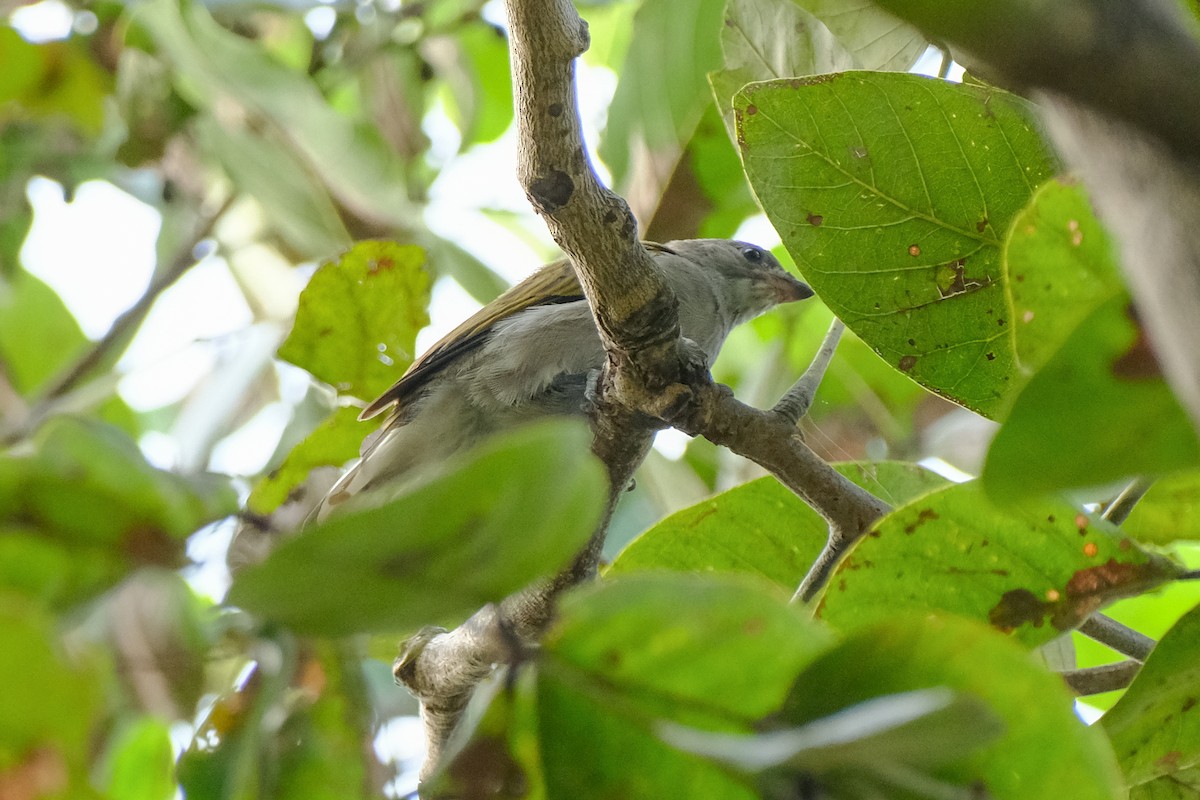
x=1118 y=510
x=1107 y=678
x=128 y=322
x=797 y=400
x=1125 y=640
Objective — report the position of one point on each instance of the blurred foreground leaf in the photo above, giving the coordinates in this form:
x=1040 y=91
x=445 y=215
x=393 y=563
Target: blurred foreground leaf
x=515 y=509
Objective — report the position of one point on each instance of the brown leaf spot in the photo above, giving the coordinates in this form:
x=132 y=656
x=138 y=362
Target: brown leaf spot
x=753 y=627
x=914 y=250
x=815 y=220
x=1139 y=361
x=1076 y=233
x=1091 y=549
x=1188 y=704
x=1109 y=575
x=912 y=342
x=752 y=109
x=1081 y=523
x=1016 y=608
x=1169 y=762
x=907 y=363
x=990 y=356
x=981 y=226
x=1052 y=595
x=1051 y=519
x=923 y=516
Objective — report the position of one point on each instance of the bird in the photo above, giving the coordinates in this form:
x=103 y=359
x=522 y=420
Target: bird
x=528 y=354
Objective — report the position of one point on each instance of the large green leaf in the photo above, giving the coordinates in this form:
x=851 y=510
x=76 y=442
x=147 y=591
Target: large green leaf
x=646 y=648
x=893 y=193
x=1060 y=264
x=357 y=323
x=1034 y=570
x=1098 y=411
x=84 y=508
x=517 y=508
x=760 y=527
x=1155 y=727
x=1045 y=752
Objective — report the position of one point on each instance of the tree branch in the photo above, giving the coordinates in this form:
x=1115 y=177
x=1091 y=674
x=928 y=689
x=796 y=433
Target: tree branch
x=1106 y=678
x=649 y=379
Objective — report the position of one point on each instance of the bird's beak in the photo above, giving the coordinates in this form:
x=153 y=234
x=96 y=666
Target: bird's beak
x=788 y=289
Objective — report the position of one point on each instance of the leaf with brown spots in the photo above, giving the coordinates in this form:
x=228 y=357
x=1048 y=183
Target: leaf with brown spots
x=902 y=169
x=1030 y=571
x=1155 y=726
x=358 y=318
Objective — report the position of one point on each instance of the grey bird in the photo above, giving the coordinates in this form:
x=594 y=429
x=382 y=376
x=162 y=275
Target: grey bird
x=528 y=354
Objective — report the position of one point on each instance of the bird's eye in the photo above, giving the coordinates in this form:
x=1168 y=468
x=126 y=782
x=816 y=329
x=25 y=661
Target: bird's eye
x=753 y=255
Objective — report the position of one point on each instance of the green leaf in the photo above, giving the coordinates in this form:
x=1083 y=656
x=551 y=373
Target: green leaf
x=1032 y=570
x=49 y=721
x=485 y=102
x=767 y=39
x=1097 y=412
x=1060 y=265
x=142 y=765
x=877 y=39
x=1045 y=752
x=357 y=323
x=663 y=91
x=217 y=69
x=84 y=508
x=334 y=442
x=32 y=314
x=297 y=205
x=1155 y=726
x=641 y=649
x=893 y=193
x=54 y=78
x=443 y=548
x=760 y=527
x=1170 y=511
x=919 y=729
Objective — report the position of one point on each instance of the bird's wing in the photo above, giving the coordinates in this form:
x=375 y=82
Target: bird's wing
x=553 y=283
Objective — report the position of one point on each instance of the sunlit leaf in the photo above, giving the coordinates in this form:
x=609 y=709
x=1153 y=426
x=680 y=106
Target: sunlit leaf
x=1060 y=264
x=359 y=316
x=31 y=314
x=334 y=442
x=52 y=79
x=1033 y=570
x=142 y=764
x=1155 y=727
x=760 y=527
x=1098 y=411
x=445 y=547
x=877 y=39
x=893 y=194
